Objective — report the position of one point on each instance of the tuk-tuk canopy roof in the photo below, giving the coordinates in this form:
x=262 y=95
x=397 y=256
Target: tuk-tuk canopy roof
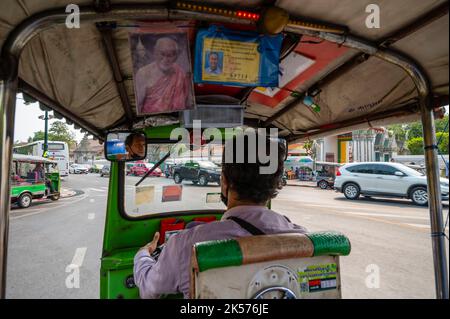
x=32 y=159
x=69 y=69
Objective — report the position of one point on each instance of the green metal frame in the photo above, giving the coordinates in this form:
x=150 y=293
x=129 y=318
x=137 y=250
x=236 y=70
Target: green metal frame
x=123 y=237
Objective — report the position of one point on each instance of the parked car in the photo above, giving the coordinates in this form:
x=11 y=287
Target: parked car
x=383 y=179
x=78 y=169
x=156 y=173
x=128 y=167
x=105 y=170
x=96 y=168
x=199 y=172
x=141 y=168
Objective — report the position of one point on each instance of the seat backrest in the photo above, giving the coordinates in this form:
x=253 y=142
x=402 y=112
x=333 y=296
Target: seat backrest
x=269 y=266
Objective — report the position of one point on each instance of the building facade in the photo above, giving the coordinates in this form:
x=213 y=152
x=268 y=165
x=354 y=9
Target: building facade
x=372 y=145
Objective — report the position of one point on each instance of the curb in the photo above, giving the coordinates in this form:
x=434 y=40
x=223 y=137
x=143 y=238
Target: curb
x=313 y=186
x=67 y=193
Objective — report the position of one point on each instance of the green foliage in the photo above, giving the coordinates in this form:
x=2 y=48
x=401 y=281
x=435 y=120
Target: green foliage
x=415 y=146
x=399 y=131
x=440 y=124
x=59 y=131
x=411 y=136
x=39 y=135
x=414 y=130
x=442 y=139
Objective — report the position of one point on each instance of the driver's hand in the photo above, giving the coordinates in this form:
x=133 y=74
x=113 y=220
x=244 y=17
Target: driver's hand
x=151 y=246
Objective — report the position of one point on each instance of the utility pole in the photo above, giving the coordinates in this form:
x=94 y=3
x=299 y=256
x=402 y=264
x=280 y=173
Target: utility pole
x=45 y=117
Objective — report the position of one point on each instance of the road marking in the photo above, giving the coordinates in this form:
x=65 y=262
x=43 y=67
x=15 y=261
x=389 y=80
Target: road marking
x=386 y=215
x=419 y=225
x=40 y=211
x=352 y=207
x=91 y=216
x=78 y=258
x=97 y=189
x=373 y=217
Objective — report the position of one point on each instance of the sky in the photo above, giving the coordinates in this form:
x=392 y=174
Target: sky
x=27 y=121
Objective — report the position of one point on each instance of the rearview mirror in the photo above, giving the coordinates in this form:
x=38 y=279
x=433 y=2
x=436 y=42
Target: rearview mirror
x=398 y=173
x=125 y=146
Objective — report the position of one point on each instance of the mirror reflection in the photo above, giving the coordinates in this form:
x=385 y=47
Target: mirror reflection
x=125 y=146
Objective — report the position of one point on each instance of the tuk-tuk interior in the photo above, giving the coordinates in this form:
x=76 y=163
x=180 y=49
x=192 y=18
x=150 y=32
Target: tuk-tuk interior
x=349 y=74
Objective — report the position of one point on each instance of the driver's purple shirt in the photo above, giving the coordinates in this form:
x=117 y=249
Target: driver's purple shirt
x=170 y=274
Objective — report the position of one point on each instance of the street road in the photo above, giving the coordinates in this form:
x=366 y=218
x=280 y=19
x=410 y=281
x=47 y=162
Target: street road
x=391 y=246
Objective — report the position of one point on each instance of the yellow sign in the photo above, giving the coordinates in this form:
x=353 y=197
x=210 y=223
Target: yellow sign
x=144 y=194
x=237 y=61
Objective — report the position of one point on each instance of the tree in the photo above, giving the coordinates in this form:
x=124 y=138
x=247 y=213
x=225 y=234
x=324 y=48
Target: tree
x=442 y=140
x=399 y=132
x=441 y=124
x=414 y=130
x=411 y=135
x=59 y=131
x=415 y=146
x=38 y=136
x=308 y=147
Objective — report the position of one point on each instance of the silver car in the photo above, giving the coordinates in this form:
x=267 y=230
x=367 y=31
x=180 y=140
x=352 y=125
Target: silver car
x=381 y=179
x=78 y=169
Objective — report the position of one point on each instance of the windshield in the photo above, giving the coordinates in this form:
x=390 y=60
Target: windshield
x=209 y=165
x=161 y=191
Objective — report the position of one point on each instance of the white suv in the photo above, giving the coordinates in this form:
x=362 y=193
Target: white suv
x=384 y=180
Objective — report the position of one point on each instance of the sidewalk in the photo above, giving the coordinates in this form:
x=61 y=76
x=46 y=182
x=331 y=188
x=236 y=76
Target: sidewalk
x=296 y=182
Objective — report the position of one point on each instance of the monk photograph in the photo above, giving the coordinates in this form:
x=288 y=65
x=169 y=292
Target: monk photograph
x=162 y=72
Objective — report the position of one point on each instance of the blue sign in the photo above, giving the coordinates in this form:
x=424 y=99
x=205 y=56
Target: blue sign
x=227 y=57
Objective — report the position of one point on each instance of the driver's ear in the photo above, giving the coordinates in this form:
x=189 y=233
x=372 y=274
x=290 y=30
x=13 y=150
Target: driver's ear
x=223 y=180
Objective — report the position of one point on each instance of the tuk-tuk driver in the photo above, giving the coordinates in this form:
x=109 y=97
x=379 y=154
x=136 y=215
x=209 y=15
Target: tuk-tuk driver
x=135 y=146
x=246 y=193
x=39 y=172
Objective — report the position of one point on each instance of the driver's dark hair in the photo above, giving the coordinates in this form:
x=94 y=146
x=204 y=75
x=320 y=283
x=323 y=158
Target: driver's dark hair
x=245 y=178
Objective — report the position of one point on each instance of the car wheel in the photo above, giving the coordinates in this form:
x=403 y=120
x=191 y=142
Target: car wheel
x=323 y=184
x=55 y=197
x=177 y=178
x=419 y=196
x=25 y=200
x=351 y=191
x=202 y=180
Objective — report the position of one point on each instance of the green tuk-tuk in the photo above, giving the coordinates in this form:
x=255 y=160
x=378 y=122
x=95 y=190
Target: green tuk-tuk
x=339 y=69
x=33 y=177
